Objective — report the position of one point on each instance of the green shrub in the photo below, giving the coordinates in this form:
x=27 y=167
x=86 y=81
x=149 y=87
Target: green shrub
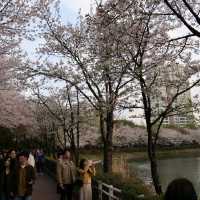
x=131 y=187
x=191 y=126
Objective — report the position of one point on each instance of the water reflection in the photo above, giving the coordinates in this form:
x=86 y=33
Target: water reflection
x=170 y=169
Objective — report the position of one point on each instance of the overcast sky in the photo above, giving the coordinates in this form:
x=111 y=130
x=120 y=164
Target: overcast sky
x=72 y=7
x=69 y=12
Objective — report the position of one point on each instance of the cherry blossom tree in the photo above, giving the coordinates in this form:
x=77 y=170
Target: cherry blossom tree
x=17 y=20
x=156 y=62
x=92 y=63
x=15 y=17
x=14 y=108
x=121 y=50
x=162 y=68
x=187 y=12
x=62 y=108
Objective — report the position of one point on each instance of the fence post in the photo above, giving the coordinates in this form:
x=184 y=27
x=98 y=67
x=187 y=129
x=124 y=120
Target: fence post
x=100 y=190
x=110 y=192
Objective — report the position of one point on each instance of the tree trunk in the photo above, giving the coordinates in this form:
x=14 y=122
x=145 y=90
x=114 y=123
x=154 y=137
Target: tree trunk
x=75 y=153
x=155 y=176
x=65 y=137
x=73 y=147
x=151 y=144
x=107 y=164
x=16 y=141
x=78 y=129
x=153 y=162
x=108 y=143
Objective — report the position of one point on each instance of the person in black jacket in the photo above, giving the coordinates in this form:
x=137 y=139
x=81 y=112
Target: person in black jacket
x=13 y=159
x=1 y=173
x=25 y=178
x=6 y=181
x=1 y=161
x=180 y=189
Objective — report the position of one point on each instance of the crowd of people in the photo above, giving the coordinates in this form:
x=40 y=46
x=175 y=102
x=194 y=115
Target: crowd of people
x=18 y=173
x=73 y=182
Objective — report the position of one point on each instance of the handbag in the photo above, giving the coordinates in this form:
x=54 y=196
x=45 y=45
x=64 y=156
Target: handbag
x=78 y=182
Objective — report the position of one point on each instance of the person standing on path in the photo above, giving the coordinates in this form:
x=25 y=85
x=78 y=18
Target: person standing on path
x=66 y=173
x=6 y=181
x=31 y=160
x=40 y=158
x=86 y=171
x=25 y=178
x=59 y=162
x=13 y=160
x=1 y=161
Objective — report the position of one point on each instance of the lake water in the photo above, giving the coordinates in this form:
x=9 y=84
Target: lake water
x=169 y=169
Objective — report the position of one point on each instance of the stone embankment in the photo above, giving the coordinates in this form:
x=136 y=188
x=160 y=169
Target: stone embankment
x=126 y=136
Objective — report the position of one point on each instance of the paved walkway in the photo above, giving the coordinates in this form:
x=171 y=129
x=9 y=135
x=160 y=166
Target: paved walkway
x=45 y=189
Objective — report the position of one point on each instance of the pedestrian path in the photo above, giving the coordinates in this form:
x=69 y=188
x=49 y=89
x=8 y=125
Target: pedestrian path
x=45 y=189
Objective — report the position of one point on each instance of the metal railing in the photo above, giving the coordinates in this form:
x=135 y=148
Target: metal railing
x=106 y=191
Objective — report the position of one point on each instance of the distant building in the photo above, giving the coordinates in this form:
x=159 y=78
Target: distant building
x=170 y=80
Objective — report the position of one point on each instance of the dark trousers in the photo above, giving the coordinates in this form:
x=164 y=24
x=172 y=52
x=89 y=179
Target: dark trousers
x=66 y=193
x=40 y=166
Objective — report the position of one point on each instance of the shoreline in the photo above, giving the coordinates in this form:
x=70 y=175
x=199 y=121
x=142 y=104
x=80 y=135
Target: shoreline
x=139 y=154
x=165 y=154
